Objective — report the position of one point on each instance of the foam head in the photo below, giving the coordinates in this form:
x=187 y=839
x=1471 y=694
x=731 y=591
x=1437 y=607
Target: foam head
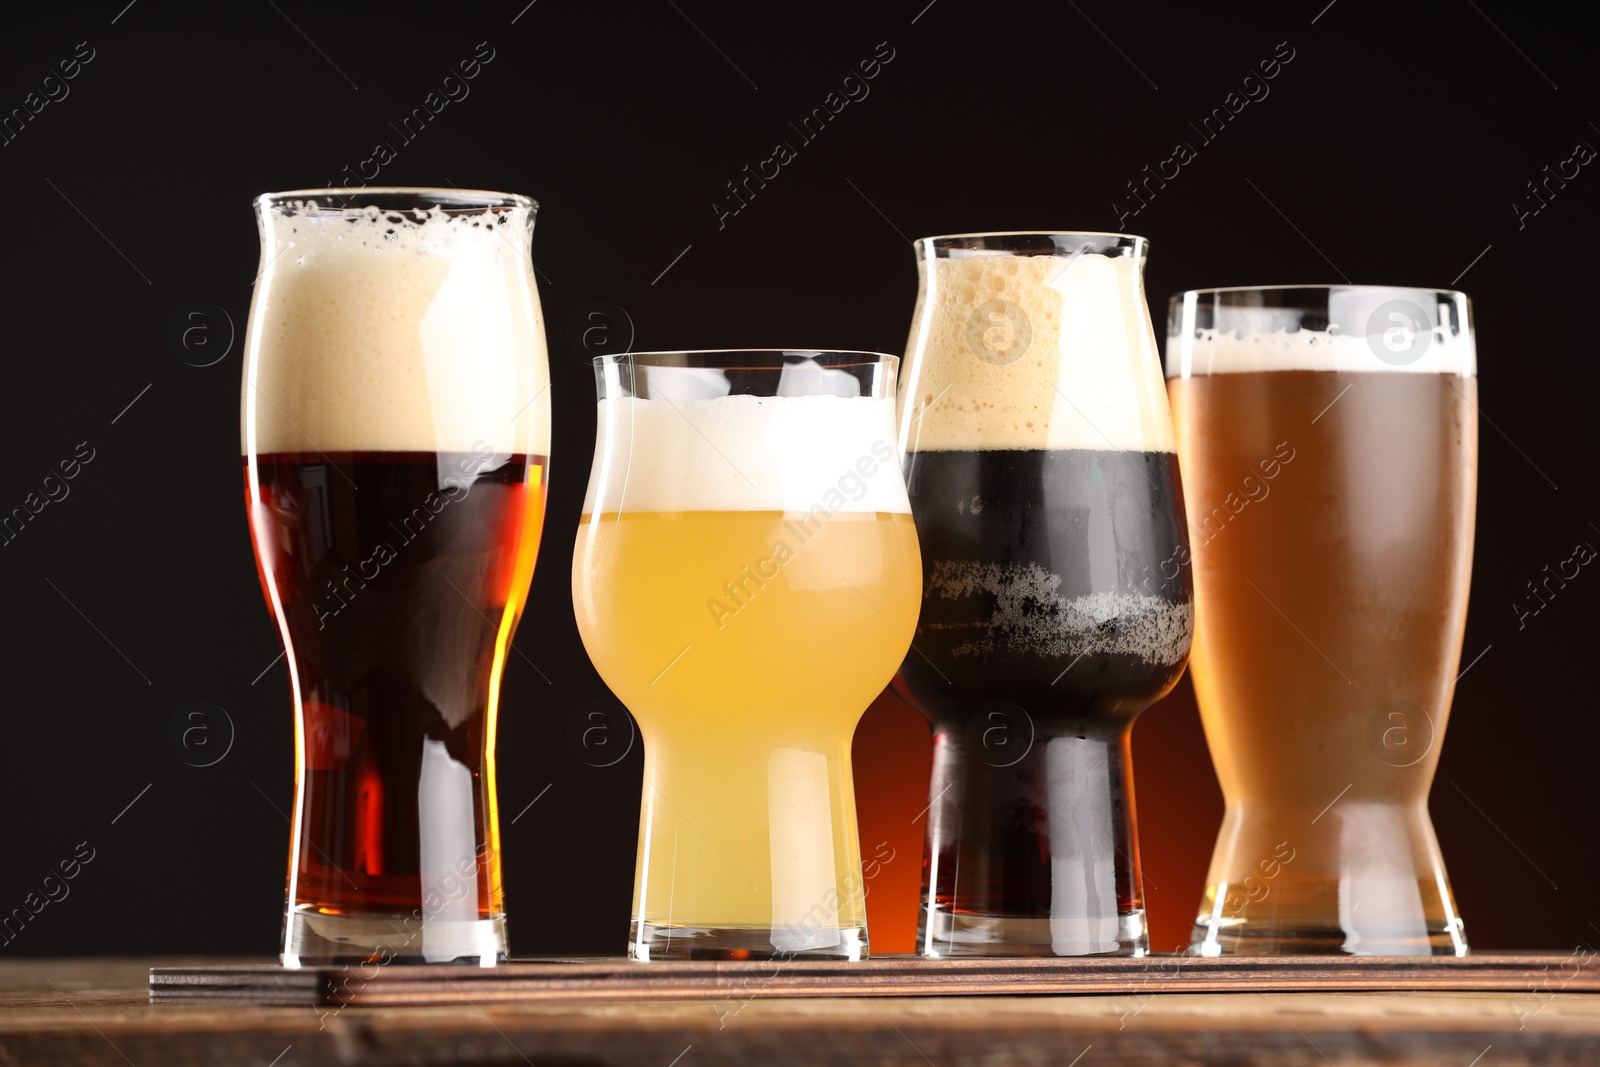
x=414 y=331
x=794 y=454
x=1043 y=349
x=1378 y=329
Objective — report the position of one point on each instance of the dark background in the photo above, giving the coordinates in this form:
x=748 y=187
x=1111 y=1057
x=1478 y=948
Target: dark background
x=1390 y=150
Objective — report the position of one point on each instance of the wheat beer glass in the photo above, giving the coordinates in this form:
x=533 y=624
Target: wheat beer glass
x=746 y=580
x=396 y=429
x=1329 y=441
x=1039 y=458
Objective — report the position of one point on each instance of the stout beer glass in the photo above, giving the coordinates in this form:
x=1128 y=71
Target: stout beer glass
x=1039 y=458
x=396 y=429
x=1329 y=440
x=745 y=580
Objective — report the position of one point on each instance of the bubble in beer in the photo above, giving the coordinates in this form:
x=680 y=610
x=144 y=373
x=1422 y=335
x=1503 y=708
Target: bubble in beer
x=1405 y=333
x=1399 y=332
x=999 y=332
x=1000 y=733
x=601 y=733
x=200 y=333
x=1035 y=352
x=200 y=733
x=815 y=456
x=1030 y=615
x=399 y=333
x=1399 y=732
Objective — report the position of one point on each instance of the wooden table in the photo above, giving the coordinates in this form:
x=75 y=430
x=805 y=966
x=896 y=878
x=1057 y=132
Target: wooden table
x=96 y=1012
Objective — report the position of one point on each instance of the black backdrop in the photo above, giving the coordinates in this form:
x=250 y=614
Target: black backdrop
x=1391 y=148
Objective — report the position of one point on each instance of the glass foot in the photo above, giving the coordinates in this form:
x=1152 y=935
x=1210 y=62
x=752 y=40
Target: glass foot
x=947 y=934
x=1227 y=937
x=314 y=939
x=648 y=942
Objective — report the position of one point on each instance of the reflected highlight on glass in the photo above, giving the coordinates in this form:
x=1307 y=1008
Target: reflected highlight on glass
x=396 y=422
x=745 y=580
x=1040 y=464
x=1329 y=446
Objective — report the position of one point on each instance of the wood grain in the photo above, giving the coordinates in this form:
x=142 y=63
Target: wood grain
x=97 y=1013
x=906 y=976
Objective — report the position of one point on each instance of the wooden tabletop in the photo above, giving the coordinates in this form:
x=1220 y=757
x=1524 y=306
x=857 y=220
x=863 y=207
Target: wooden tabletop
x=97 y=1012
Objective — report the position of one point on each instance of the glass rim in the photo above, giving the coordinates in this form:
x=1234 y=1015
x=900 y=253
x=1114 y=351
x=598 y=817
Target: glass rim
x=1066 y=244
x=1032 y=233
x=855 y=357
x=1340 y=287
x=449 y=198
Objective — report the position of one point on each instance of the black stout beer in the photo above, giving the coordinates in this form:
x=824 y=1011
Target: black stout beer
x=1057 y=602
x=396 y=424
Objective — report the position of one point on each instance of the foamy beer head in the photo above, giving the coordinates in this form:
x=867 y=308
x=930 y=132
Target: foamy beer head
x=390 y=320
x=1358 y=328
x=698 y=431
x=1031 y=341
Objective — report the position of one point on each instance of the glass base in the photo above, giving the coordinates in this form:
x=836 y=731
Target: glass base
x=647 y=942
x=1362 y=877
x=1241 y=939
x=942 y=934
x=315 y=939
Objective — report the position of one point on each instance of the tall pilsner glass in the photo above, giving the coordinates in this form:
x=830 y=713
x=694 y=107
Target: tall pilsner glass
x=396 y=429
x=1039 y=458
x=746 y=579
x=1329 y=439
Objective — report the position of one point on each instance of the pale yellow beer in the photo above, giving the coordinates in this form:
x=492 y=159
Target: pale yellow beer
x=746 y=580
x=747 y=700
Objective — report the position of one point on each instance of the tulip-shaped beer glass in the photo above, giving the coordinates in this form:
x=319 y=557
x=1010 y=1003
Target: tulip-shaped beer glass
x=1056 y=607
x=746 y=580
x=396 y=429
x=1329 y=438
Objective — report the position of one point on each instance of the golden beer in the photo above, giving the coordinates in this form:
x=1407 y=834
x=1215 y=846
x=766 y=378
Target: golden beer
x=747 y=652
x=746 y=579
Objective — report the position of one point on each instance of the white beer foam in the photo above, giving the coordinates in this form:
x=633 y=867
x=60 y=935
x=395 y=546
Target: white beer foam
x=1384 y=330
x=1088 y=378
x=746 y=453
x=369 y=334
x=1245 y=352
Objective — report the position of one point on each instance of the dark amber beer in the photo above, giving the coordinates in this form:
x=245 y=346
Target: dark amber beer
x=396 y=426
x=394 y=595
x=1039 y=461
x=1329 y=448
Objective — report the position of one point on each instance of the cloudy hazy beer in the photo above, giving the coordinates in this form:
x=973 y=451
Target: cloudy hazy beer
x=1331 y=483
x=396 y=428
x=745 y=580
x=1040 y=467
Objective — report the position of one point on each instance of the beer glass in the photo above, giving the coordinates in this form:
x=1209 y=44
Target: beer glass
x=745 y=580
x=1329 y=444
x=396 y=429
x=1038 y=452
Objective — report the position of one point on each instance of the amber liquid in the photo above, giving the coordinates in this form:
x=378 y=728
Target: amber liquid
x=398 y=579
x=1330 y=600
